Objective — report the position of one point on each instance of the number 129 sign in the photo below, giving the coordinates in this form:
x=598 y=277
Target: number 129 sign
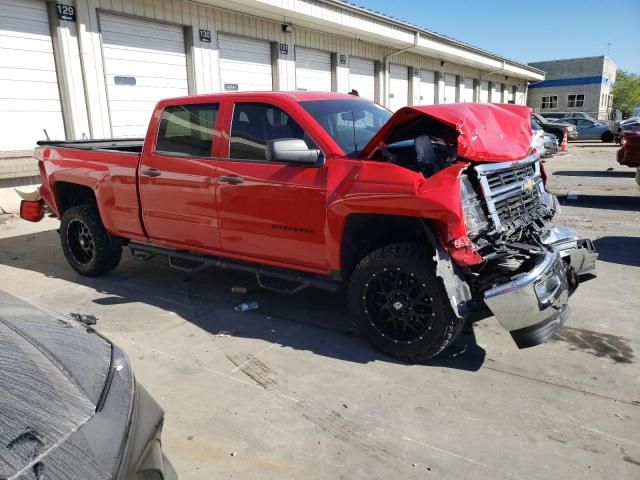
x=66 y=12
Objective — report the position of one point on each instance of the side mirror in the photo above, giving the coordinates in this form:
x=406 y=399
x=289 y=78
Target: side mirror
x=292 y=150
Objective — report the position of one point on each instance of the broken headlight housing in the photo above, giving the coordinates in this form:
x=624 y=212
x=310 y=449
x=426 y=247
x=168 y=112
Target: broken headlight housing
x=474 y=217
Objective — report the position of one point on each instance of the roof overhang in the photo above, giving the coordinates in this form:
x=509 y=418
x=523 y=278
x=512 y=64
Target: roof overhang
x=345 y=20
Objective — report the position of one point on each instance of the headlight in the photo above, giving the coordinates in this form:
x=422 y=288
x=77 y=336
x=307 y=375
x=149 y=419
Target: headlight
x=474 y=218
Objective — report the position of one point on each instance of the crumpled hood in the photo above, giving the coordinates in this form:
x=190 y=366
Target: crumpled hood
x=486 y=132
x=52 y=373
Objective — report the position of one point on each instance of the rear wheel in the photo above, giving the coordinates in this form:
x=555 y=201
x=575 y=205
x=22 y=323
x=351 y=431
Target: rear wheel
x=399 y=304
x=86 y=244
x=607 y=137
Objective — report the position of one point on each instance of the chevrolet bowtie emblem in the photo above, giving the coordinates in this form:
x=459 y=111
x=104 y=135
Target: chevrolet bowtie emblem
x=528 y=185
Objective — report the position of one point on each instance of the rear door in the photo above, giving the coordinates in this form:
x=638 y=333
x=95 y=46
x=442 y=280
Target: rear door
x=177 y=178
x=270 y=211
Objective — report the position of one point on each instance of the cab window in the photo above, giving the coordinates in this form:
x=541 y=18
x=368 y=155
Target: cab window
x=255 y=124
x=187 y=130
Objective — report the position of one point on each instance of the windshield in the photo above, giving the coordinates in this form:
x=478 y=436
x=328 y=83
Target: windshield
x=351 y=123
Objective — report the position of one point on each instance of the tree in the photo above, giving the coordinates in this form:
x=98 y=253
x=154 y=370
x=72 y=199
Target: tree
x=626 y=92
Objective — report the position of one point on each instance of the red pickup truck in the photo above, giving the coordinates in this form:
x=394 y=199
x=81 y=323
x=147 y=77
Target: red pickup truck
x=423 y=215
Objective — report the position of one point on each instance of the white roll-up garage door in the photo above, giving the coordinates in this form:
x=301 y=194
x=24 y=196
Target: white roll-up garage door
x=362 y=77
x=245 y=64
x=484 y=92
x=449 y=88
x=466 y=94
x=496 y=93
x=30 y=99
x=144 y=62
x=398 y=87
x=427 y=87
x=313 y=70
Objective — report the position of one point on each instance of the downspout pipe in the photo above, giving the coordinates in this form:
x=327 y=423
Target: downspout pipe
x=387 y=73
x=502 y=69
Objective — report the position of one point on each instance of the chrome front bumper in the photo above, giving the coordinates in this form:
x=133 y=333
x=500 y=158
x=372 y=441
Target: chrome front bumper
x=534 y=305
x=576 y=251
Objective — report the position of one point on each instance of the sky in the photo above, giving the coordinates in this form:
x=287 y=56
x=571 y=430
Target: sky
x=530 y=31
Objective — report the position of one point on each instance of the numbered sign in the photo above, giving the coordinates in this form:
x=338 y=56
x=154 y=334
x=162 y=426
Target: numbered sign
x=205 y=36
x=66 y=12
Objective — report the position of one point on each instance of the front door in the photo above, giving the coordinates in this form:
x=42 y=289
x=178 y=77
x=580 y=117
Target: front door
x=177 y=179
x=268 y=210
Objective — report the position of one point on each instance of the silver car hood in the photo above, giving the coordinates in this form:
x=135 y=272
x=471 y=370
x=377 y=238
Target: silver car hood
x=52 y=374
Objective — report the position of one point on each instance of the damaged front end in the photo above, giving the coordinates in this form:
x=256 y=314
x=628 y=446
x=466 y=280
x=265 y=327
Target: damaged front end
x=530 y=266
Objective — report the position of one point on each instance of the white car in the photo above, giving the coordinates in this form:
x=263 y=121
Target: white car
x=537 y=138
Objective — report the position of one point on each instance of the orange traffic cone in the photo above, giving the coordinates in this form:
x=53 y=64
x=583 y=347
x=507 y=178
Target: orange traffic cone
x=563 y=145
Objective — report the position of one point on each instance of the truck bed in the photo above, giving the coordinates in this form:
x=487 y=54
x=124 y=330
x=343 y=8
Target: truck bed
x=113 y=144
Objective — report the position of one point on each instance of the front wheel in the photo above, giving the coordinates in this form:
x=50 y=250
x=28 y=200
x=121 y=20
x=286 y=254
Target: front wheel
x=86 y=244
x=607 y=137
x=399 y=304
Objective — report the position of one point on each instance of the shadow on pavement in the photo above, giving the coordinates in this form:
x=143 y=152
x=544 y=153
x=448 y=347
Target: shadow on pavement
x=606 y=202
x=595 y=173
x=311 y=320
x=621 y=250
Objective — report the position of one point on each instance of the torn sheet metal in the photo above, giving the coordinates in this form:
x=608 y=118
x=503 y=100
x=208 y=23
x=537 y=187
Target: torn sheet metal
x=486 y=132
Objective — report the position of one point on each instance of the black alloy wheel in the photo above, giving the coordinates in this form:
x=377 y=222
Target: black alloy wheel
x=80 y=242
x=398 y=305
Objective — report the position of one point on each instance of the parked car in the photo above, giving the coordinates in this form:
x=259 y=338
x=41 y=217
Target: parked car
x=629 y=153
x=537 y=138
x=421 y=215
x=69 y=403
x=629 y=125
x=558 y=129
x=559 y=115
x=551 y=146
x=590 y=130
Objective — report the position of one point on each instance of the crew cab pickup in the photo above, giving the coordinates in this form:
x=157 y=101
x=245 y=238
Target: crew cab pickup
x=424 y=215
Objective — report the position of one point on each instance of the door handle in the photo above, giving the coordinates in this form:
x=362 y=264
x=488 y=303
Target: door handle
x=151 y=172
x=230 y=179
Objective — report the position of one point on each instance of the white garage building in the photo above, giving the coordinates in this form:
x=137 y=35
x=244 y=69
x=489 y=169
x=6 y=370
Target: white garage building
x=95 y=68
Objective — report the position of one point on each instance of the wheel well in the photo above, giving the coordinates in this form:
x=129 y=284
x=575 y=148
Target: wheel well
x=607 y=136
x=364 y=233
x=71 y=194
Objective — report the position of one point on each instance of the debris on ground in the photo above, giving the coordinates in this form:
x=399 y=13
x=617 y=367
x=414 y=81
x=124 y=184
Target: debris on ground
x=224 y=333
x=239 y=290
x=245 y=306
x=233 y=454
x=82 y=318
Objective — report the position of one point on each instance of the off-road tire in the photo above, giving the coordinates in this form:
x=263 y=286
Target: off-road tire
x=607 y=137
x=105 y=253
x=411 y=259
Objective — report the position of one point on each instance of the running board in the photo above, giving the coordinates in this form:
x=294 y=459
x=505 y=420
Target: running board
x=193 y=263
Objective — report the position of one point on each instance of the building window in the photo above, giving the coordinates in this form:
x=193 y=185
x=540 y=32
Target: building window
x=550 y=102
x=576 y=101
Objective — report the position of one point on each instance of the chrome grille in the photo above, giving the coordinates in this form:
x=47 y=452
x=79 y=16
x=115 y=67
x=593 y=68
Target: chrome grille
x=511 y=189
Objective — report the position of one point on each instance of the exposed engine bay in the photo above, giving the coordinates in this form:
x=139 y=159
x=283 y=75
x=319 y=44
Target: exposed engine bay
x=508 y=211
